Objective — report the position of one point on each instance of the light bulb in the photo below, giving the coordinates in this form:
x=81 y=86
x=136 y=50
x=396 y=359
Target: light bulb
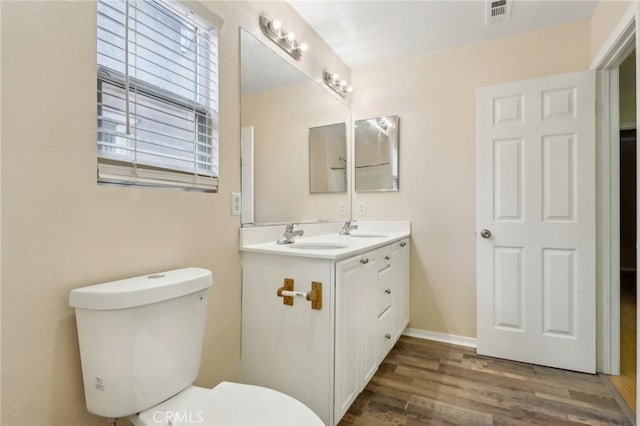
x=290 y=37
x=335 y=77
x=276 y=24
x=303 y=47
x=343 y=83
x=349 y=89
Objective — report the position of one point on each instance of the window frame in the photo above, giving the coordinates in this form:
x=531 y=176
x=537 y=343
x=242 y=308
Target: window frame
x=205 y=117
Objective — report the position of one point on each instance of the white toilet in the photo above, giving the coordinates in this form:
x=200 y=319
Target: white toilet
x=140 y=344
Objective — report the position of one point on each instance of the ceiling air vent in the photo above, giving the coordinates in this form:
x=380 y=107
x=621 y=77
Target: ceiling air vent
x=497 y=11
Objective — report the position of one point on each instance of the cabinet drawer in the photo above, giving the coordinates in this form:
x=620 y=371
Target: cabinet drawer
x=385 y=333
x=384 y=256
x=385 y=289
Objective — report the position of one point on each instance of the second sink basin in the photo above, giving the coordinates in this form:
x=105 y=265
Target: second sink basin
x=319 y=245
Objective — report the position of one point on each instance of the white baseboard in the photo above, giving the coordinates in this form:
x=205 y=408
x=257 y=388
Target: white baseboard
x=441 y=337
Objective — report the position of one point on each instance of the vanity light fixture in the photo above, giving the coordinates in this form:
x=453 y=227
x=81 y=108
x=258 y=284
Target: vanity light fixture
x=272 y=28
x=336 y=84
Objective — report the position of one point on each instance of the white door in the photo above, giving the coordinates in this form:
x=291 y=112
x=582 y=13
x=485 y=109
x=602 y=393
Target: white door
x=535 y=219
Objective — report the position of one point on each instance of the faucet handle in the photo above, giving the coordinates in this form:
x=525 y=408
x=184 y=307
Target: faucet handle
x=289 y=227
x=349 y=225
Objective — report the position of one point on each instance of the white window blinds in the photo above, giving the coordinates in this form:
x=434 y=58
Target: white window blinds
x=157 y=96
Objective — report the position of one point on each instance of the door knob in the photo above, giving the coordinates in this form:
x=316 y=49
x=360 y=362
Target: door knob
x=485 y=233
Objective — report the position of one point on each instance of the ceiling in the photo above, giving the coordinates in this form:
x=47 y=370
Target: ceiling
x=365 y=32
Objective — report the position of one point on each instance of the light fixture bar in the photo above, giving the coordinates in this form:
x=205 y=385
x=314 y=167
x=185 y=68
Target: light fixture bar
x=272 y=28
x=341 y=87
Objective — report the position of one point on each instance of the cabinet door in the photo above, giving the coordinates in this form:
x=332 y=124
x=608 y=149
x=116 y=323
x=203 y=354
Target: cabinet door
x=368 y=280
x=400 y=261
x=348 y=337
x=356 y=328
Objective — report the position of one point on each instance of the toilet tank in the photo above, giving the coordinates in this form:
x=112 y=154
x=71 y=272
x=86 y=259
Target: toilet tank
x=140 y=338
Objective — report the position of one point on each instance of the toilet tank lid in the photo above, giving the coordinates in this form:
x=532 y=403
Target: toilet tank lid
x=139 y=291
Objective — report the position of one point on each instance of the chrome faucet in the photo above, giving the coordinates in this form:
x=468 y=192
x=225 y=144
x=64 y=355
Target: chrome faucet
x=289 y=234
x=348 y=226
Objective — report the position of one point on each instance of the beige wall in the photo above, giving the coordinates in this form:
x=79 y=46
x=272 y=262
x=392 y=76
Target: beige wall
x=62 y=230
x=434 y=95
x=604 y=20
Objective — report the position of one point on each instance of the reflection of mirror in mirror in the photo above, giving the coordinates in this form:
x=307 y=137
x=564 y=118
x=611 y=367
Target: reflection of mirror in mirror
x=376 y=154
x=279 y=105
x=328 y=158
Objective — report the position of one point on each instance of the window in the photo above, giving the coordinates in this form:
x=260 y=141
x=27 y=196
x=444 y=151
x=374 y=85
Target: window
x=157 y=96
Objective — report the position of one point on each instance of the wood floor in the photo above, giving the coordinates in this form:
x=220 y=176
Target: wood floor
x=626 y=381
x=422 y=382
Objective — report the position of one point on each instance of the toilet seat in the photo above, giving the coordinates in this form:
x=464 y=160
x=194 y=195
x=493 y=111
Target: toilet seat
x=228 y=404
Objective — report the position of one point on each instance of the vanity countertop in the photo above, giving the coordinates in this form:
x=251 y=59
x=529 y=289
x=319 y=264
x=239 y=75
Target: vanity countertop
x=329 y=245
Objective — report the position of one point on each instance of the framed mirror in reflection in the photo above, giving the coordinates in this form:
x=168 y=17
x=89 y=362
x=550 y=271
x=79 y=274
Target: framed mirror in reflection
x=376 y=154
x=328 y=158
x=282 y=111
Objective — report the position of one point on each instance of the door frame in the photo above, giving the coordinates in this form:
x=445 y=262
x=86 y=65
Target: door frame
x=617 y=47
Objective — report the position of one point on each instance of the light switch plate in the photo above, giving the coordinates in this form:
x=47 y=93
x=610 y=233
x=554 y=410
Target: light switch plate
x=236 y=204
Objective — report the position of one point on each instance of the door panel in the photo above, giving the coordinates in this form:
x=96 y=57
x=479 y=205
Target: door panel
x=558 y=181
x=559 y=287
x=508 y=165
x=508 y=272
x=535 y=176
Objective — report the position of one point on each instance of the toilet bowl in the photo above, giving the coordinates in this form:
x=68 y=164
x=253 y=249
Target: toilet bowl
x=140 y=344
x=229 y=404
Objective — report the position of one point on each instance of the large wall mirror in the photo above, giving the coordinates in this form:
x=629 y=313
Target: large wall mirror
x=376 y=154
x=284 y=117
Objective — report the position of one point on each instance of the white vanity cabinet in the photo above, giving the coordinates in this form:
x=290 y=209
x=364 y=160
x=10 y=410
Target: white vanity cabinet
x=288 y=348
x=323 y=357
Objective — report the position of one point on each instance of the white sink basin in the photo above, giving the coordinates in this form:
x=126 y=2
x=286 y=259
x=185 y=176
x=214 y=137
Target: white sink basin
x=319 y=245
x=368 y=235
